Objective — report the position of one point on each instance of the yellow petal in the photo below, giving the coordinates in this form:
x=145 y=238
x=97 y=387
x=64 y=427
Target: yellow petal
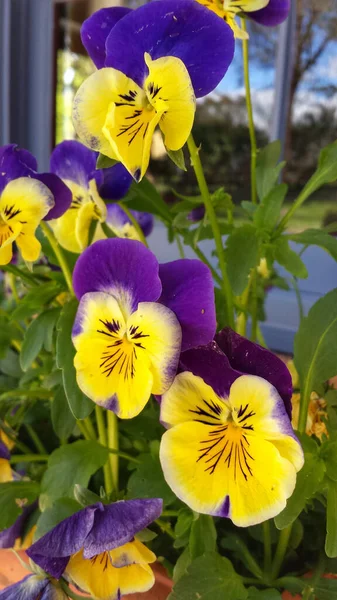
x=135 y=578
x=155 y=331
x=29 y=246
x=129 y=127
x=245 y=5
x=26 y=201
x=132 y=553
x=170 y=91
x=85 y=215
x=95 y=576
x=225 y=472
x=5 y=471
x=191 y=399
x=8 y=234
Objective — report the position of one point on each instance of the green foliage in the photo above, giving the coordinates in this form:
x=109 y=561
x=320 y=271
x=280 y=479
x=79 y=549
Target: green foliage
x=104 y=162
x=14 y=496
x=316 y=237
x=326 y=589
x=68 y=465
x=144 y=196
x=326 y=171
x=268 y=168
x=255 y=594
x=203 y=536
x=79 y=404
x=315 y=351
x=62 y=418
x=38 y=334
x=84 y=496
x=331 y=518
x=291 y=261
x=268 y=212
x=242 y=256
x=308 y=482
x=36 y=299
x=147 y=481
x=177 y=157
x=209 y=577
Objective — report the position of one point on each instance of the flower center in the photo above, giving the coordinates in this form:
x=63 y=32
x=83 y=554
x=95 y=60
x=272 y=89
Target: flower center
x=121 y=354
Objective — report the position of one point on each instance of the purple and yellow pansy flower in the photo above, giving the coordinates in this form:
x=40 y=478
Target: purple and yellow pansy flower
x=230 y=449
x=76 y=166
x=134 y=318
x=97 y=548
x=121 y=225
x=153 y=62
x=26 y=197
x=266 y=12
x=34 y=587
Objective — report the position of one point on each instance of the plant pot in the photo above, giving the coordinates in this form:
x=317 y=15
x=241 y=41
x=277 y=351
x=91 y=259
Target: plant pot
x=12 y=571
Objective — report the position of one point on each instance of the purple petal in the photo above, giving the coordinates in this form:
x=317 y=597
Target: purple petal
x=211 y=364
x=116 y=183
x=197 y=213
x=252 y=359
x=145 y=220
x=188 y=290
x=73 y=161
x=62 y=194
x=96 y=29
x=273 y=14
x=118 y=266
x=29 y=588
x=15 y=162
x=52 y=551
x=4 y=452
x=119 y=522
x=180 y=28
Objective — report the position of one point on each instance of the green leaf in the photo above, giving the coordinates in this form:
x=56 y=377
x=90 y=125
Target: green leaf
x=184 y=521
x=25 y=276
x=209 y=577
x=271 y=594
x=147 y=481
x=326 y=171
x=144 y=196
x=10 y=364
x=307 y=484
x=177 y=156
x=62 y=418
x=268 y=168
x=268 y=212
x=104 y=162
x=79 y=404
x=329 y=455
x=286 y=257
x=68 y=465
x=316 y=237
x=242 y=256
x=203 y=536
x=315 y=348
x=249 y=208
x=182 y=565
x=326 y=589
x=52 y=516
x=84 y=496
x=331 y=520
x=14 y=496
x=38 y=334
x=35 y=299
x=146 y=535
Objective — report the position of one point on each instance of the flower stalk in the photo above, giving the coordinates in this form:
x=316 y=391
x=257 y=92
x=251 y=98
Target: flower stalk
x=252 y=135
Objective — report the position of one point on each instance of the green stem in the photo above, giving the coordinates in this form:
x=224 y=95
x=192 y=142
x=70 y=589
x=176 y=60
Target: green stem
x=267 y=547
x=20 y=445
x=14 y=288
x=170 y=513
x=249 y=559
x=241 y=325
x=251 y=581
x=59 y=255
x=18 y=458
x=64 y=585
x=34 y=393
x=134 y=223
x=113 y=442
x=83 y=429
x=249 y=105
x=280 y=551
x=180 y=246
x=199 y=173
x=102 y=436
x=36 y=440
x=303 y=416
x=307 y=593
x=124 y=455
x=90 y=428
x=260 y=338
